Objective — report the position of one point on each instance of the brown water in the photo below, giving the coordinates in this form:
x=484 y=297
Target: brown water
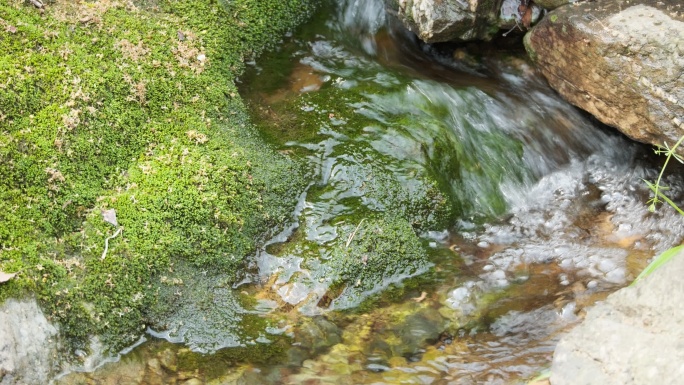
x=546 y=216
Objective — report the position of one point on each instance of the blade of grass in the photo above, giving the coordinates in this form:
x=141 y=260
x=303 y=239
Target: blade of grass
x=658 y=261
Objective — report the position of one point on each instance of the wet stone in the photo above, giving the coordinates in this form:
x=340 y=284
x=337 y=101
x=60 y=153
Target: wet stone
x=317 y=334
x=154 y=374
x=129 y=372
x=167 y=359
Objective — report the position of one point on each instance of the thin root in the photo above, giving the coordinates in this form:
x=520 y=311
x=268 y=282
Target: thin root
x=104 y=253
x=351 y=236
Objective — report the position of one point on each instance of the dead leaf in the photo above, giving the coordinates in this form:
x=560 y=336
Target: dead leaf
x=423 y=295
x=525 y=9
x=109 y=216
x=4 y=277
x=11 y=29
x=527 y=18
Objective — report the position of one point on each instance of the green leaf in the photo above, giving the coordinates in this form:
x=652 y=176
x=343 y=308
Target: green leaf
x=543 y=375
x=658 y=261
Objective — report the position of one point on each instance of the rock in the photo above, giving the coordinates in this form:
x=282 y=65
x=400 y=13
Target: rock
x=28 y=344
x=552 y=4
x=129 y=371
x=154 y=374
x=317 y=334
x=439 y=21
x=510 y=15
x=167 y=359
x=622 y=62
x=634 y=337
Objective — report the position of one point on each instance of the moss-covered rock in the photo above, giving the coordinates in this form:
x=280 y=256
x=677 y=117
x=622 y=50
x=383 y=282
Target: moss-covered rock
x=375 y=254
x=359 y=262
x=132 y=107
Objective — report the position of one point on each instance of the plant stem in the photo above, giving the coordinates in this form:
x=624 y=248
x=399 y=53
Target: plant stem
x=670 y=151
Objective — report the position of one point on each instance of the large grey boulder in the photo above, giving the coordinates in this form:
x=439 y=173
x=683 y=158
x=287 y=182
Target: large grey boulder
x=621 y=61
x=448 y=20
x=28 y=344
x=636 y=336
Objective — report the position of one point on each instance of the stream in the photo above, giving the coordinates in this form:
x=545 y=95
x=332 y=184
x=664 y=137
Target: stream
x=508 y=210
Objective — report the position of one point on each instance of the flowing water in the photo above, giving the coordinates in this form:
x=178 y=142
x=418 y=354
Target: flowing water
x=527 y=212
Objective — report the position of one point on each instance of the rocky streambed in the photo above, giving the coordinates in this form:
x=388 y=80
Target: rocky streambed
x=453 y=217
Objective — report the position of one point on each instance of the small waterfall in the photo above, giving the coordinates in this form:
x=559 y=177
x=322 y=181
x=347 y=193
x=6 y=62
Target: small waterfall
x=361 y=16
x=362 y=19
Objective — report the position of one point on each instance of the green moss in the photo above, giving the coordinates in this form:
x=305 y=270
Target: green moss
x=396 y=293
x=214 y=365
x=391 y=181
x=527 y=41
x=380 y=250
x=363 y=261
x=107 y=106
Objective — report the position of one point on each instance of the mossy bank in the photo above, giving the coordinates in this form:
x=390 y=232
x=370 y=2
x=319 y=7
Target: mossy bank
x=131 y=106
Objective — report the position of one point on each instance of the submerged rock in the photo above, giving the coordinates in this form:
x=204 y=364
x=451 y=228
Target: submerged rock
x=360 y=262
x=28 y=344
x=634 y=337
x=623 y=63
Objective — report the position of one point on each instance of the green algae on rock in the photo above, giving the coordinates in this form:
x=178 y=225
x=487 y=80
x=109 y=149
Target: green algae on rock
x=370 y=257
x=113 y=105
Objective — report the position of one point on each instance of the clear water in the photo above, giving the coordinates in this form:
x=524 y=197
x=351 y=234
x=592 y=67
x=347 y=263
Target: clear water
x=527 y=209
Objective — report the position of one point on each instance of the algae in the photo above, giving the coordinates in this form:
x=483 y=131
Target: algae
x=384 y=251
x=113 y=105
x=389 y=160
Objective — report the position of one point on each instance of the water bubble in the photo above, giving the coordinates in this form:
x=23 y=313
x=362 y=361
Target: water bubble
x=568 y=312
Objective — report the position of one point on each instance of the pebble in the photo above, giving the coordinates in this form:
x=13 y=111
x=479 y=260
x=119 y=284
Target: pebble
x=499 y=274
x=607 y=265
x=616 y=276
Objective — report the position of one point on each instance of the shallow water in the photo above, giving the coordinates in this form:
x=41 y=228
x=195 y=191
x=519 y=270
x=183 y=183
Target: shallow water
x=528 y=212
